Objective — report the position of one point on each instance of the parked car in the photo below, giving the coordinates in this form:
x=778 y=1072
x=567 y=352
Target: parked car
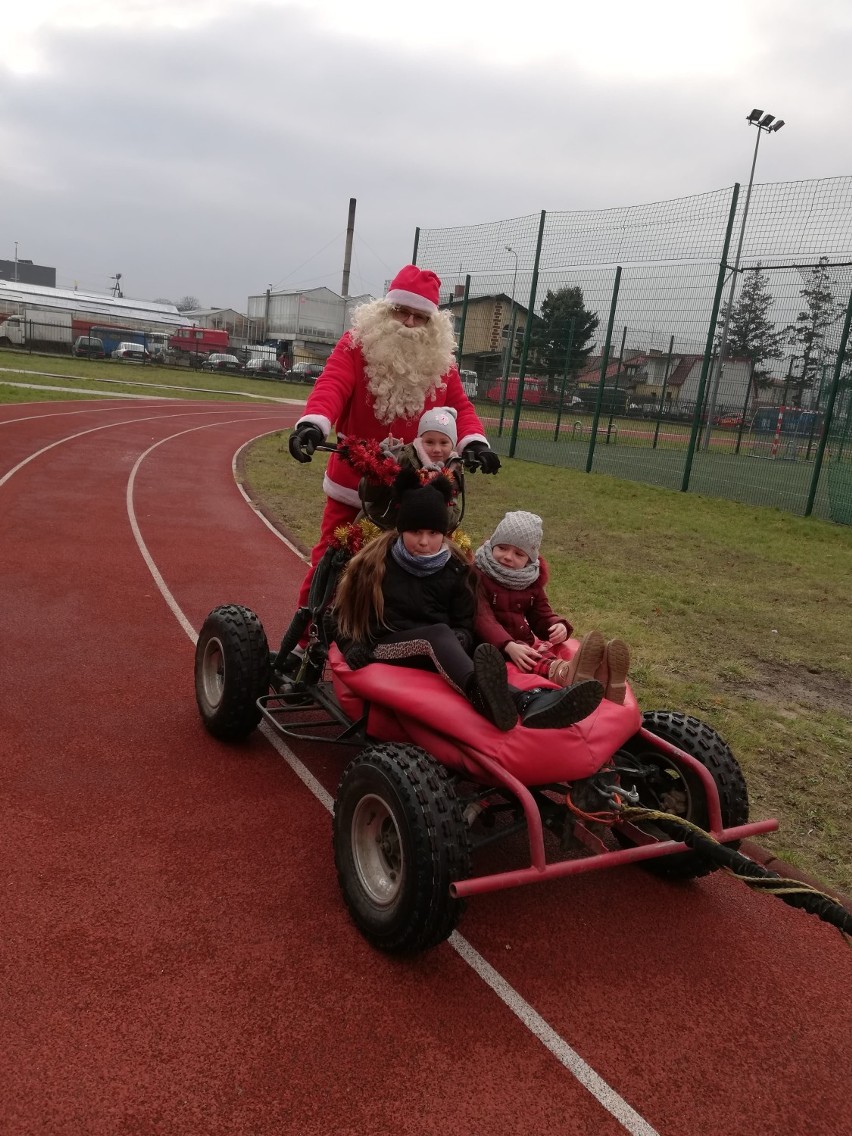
x=304 y=372
x=131 y=353
x=88 y=347
x=264 y=368
x=222 y=363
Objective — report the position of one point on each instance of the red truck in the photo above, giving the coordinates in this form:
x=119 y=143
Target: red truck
x=199 y=340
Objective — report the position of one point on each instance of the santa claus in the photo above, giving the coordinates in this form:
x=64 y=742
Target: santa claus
x=395 y=363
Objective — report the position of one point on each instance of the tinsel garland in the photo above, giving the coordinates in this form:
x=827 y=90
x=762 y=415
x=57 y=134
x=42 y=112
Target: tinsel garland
x=353 y=537
x=367 y=458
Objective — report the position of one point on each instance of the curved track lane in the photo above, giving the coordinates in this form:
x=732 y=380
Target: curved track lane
x=176 y=956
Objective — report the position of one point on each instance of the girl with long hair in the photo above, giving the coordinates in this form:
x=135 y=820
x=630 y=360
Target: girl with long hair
x=407 y=598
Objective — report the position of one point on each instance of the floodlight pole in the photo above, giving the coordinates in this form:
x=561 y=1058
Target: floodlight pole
x=762 y=125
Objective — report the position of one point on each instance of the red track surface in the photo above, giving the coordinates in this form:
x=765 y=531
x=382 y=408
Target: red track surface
x=175 y=956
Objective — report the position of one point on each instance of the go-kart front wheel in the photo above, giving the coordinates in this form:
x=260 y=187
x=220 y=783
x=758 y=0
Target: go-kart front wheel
x=677 y=789
x=231 y=671
x=399 y=842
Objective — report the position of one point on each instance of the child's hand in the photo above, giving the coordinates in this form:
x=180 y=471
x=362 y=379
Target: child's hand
x=558 y=633
x=522 y=655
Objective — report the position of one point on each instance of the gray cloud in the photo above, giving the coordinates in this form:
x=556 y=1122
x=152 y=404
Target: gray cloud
x=219 y=160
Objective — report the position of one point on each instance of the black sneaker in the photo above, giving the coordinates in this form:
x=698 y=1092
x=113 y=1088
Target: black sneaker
x=542 y=709
x=489 y=692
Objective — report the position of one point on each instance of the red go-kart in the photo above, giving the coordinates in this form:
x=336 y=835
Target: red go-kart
x=432 y=784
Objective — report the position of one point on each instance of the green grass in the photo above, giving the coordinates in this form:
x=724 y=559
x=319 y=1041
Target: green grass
x=739 y=615
x=106 y=376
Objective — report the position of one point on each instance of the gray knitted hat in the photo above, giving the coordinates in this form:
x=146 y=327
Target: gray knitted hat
x=523 y=530
x=442 y=419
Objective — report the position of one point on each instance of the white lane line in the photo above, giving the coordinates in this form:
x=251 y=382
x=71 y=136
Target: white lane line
x=568 y=1057
x=68 y=413
x=86 y=391
x=251 y=504
x=125 y=382
x=171 y=602
x=81 y=434
x=606 y=1096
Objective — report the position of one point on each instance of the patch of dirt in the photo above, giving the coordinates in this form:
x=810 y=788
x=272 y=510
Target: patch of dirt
x=787 y=684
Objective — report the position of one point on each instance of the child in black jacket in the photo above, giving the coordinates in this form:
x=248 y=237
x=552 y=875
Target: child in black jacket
x=407 y=599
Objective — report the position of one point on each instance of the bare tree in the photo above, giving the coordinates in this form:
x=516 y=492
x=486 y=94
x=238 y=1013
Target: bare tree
x=188 y=303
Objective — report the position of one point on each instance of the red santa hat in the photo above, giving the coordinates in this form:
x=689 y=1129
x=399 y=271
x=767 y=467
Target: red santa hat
x=415 y=288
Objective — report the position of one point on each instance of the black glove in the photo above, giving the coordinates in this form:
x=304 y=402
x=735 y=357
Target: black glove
x=478 y=455
x=304 y=440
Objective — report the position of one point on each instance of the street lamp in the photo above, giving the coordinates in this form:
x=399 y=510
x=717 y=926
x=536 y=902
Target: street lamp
x=766 y=124
x=507 y=358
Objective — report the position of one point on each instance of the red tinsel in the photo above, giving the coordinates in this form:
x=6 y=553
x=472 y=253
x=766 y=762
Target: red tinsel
x=366 y=457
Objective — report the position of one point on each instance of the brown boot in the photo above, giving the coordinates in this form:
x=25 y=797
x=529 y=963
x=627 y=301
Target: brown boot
x=586 y=660
x=617 y=665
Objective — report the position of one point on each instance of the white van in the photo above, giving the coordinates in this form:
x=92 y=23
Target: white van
x=470 y=383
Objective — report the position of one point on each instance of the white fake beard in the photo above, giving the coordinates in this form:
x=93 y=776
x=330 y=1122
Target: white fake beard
x=404 y=365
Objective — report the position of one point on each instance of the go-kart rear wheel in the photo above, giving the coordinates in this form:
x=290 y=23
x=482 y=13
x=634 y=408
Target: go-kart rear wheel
x=399 y=842
x=231 y=671
x=675 y=789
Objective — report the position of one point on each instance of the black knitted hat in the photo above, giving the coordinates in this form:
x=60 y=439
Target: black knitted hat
x=422 y=506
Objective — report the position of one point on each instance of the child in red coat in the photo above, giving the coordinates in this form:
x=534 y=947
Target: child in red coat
x=514 y=613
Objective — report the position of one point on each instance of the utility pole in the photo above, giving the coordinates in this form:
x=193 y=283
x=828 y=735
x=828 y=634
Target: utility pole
x=16 y=262
x=347 y=255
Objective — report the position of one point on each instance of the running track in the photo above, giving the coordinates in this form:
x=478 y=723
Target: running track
x=175 y=957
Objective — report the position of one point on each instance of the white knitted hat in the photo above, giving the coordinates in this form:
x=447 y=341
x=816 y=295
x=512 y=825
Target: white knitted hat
x=523 y=530
x=442 y=419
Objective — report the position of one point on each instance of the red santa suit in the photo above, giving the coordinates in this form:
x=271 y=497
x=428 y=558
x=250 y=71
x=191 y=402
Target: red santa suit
x=341 y=398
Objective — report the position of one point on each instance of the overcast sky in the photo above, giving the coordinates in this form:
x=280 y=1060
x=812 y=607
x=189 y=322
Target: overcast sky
x=210 y=147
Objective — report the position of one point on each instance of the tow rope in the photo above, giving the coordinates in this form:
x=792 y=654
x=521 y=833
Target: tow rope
x=792 y=892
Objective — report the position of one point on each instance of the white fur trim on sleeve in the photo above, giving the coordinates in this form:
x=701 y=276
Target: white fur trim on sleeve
x=318 y=420
x=470 y=438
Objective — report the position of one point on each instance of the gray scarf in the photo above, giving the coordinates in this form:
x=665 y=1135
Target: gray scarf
x=515 y=578
x=419 y=565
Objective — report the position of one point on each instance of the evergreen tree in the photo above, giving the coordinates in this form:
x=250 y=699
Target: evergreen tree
x=751 y=332
x=564 y=319
x=820 y=313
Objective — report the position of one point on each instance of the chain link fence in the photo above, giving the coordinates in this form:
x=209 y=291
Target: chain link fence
x=632 y=341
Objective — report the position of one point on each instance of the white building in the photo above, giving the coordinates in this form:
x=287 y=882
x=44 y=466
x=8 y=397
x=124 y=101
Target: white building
x=312 y=319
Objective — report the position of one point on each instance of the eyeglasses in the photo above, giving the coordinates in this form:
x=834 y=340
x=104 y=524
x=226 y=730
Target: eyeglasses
x=405 y=314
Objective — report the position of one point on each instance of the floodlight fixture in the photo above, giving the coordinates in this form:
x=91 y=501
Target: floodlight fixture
x=779 y=122
x=754 y=116
x=765 y=121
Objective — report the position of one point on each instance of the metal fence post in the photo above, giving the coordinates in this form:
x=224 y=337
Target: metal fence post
x=522 y=369
x=604 y=364
x=708 y=350
x=564 y=379
x=829 y=410
x=666 y=374
x=416 y=244
x=615 y=390
x=463 y=320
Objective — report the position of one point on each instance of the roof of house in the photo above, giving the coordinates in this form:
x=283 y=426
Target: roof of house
x=457 y=301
